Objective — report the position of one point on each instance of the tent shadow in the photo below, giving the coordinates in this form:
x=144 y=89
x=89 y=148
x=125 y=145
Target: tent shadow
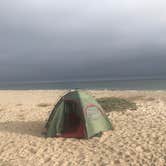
x=33 y=128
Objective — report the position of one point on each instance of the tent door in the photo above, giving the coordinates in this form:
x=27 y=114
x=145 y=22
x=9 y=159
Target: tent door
x=73 y=125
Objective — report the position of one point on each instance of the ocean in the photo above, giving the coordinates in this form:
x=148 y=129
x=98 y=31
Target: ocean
x=102 y=84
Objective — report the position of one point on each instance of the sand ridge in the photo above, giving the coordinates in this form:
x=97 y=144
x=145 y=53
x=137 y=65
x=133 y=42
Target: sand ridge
x=138 y=138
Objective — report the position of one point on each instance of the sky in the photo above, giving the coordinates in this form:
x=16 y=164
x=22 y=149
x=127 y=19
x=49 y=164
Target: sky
x=53 y=40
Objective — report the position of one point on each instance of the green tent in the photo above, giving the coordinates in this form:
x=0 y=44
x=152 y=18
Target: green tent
x=77 y=115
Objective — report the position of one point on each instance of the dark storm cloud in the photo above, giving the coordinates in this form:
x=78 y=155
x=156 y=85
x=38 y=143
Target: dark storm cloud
x=49 y=40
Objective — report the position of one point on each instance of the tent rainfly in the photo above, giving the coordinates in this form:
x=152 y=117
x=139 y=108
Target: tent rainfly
x=77 y=115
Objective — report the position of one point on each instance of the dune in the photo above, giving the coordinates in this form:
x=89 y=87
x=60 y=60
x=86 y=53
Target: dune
x=138 y=137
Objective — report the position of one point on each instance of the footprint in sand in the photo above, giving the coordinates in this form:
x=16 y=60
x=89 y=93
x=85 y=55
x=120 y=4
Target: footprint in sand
x=21 y=117
x=32 y=150
x=1 y=109
x=19 y=104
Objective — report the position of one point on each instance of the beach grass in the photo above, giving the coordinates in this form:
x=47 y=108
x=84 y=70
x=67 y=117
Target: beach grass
x=116 y=104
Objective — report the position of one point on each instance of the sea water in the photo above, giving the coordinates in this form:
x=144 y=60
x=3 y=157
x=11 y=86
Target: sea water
x=104 y=84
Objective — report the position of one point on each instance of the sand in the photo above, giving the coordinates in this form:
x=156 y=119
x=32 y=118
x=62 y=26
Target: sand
x=138 y=138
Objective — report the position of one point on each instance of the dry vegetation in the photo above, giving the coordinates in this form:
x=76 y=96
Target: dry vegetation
x=116 y=104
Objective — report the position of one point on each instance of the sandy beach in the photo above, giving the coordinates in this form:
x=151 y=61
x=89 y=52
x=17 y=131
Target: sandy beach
x=138 y=137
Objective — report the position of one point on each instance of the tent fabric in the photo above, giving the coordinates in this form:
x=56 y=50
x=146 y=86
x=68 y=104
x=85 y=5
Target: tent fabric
x=77 y=115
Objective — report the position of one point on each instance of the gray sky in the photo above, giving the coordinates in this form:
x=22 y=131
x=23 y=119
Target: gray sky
x=62 y=39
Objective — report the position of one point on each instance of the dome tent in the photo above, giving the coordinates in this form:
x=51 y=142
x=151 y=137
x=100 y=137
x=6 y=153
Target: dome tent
x=77 y=115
